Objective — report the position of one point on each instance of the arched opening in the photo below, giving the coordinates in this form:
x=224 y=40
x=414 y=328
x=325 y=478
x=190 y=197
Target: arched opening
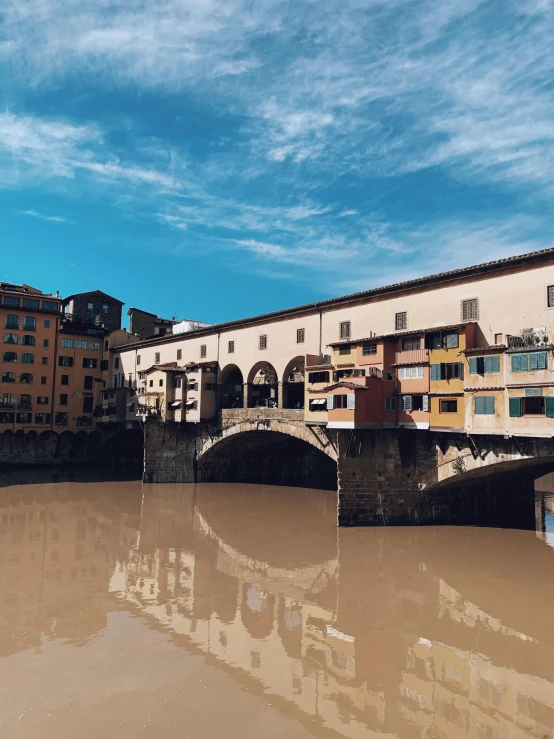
x=257 y=610
x=263 y=386
x=270 y=458
x=231 y=387
x=293 y=384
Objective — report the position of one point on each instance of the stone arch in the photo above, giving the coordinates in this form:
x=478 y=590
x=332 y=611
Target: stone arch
x=292 y=395
x=263 y=385
x=231 y=387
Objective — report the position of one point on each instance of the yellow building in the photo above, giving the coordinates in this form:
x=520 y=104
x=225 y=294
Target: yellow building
x=485 y=407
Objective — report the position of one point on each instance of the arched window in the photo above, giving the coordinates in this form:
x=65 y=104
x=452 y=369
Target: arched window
x=8 y=377
x=28 y=358
x=10 y=357
x=61 y=419
x=11 y=339
x=26 y=378
x=25 y=401
x=28 y=340
x=30 y=323
x=12 y=321
x=7 y=400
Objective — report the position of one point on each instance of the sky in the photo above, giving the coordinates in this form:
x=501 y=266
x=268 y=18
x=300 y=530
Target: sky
x=214 y=159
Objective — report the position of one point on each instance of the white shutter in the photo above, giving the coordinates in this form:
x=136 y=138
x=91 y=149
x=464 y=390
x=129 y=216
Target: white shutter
x=330 y=402
x=425 y=402
x=407 y=402
x=351 y=401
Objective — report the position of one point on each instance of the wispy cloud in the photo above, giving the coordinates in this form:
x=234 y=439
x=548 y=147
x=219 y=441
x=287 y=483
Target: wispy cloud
x=44 y=217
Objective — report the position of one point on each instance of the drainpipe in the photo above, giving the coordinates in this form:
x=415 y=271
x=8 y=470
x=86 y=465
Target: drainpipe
x=320 y=332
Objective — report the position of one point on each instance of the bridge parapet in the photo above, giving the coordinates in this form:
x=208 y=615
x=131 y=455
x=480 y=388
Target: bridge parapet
x=239 y=415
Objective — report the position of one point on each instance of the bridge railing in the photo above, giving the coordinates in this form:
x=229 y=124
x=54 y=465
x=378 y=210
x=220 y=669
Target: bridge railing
x=261 y=414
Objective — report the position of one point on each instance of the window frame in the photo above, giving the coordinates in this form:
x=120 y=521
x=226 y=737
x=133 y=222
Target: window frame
x=300 y=335
x=401 y=320
x=464 y=302
x=262 y=342
x=345 y=330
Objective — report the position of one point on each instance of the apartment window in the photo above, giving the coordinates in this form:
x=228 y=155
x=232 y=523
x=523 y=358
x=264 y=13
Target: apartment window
x=318 y=377
x=156 y=358
x=318 y=404
x=45 y=343
x=90 y=363
x=411 y=344
x=81 y=344
x=10 y=357
x=138 y=358
x=390 y=403
x=300 y=335
x=42 y=418
x=105 y=309
x=209 y=386
x=410 y=373
x=9 y=377
x=11 y=339
x=203 y=351
x=411 y=403
x=448 y=406
x=529 y=362
x=469 y=309
x=44 y=360
x=95 y=346
x=26 y=378
x=179 y=355
x=24 y=418
x=88 y=381
x=498 y=338
x=12 y=321
x=116 y=362
x=369 y=349
x=88 y=403
x=90 y=307
x=484 y=365
x=28 y=340
x=344 y=330
x=7 y=400
x=64 y=379
x=550 y=296
x=106 y=345
x=231 y=347
x=43 y=380
x=447 y=371
x=67 y=343
x=42 y=400
x=151 y=383
x=31 y=303
x=9 y=300
x=345 y=349
x=28 y=358
x=483 y=405
x=47 y=323
x=401 y=321
x=65 y=361
x=161 y=383
x=49 y=305
x=177 y=382
x=340 y=401
x=262 y=341
x=63 y=399
x=30 y=324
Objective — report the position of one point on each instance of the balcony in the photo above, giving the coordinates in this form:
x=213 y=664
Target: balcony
x=413 y=356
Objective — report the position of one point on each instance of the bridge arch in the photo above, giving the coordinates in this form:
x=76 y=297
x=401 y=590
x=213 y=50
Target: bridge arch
x=263 y=385
x=293 y=384
x=231 y=387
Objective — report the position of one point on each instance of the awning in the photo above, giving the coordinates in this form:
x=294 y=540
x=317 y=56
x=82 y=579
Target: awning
x=189 y=403
x=177 y=404
x=319 y=401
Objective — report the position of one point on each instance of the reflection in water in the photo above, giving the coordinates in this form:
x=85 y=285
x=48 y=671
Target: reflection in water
x=242 y=611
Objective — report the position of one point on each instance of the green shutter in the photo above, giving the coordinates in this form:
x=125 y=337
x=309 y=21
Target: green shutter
x=515 y=407
x=489 y=405
x=461 y=370
x=488 y=365
x=542 y=360
x=479 y=406
x=473 y=366
x=435 y=372
x=495 y=363
x=533 y=361
x=549 y=407
x=516 y=362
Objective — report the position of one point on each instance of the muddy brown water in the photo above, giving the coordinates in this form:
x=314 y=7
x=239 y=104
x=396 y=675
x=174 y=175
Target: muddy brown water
x=217 y=610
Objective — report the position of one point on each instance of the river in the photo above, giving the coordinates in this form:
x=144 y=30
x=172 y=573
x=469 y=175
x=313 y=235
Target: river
x=241 y=611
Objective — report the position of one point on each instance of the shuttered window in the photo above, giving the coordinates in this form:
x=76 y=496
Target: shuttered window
x=330 y=401
x=344 y=330
x=492 y=364
x=515 y=407
x=529 y=362
x=425 y=403
x=484 y=405
x=390 y=403
x=484 y=365
x=351 y=401
x=406 y=403
x=448 y=371
x=549 y=407
x=435 y=372
x=469 y=309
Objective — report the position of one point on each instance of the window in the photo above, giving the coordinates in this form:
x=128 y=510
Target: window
x=179 y=355
x=401 y=321
x=28 y=358
x=7 y=400
x=30 y=324
x=90 y=363
x=447 y=371
x=177 y=382
x=106 y=345
x=11 y=339
x=90 y=307
x=88 y=402
x=10 y=357
x=65 y=361
x=26 y=378
x=448 y=406
x=81 y=344
x=410 y=373
x=24 y=418
x=43 y=380
x=61 y=419
x=345 y=349
x=25 y=401
x=231 y=347
x=412 y=343
x=156 y=359
x=262 y=341
x=344 y=330
x=484 y=365
x=529 y=362
x=28 y=340
x=42 y=400
x=42 y=418
x=533 y=406
x=31 y=303
x=6 y=417
x=49 y=305
x=105 y=308
x=45 y=343
x=65 y=379
x=318 y=404
x=498 y=338
x=161 y=383
x=318 y=377
x=67 y=343
x=209 y=386
x=47 y=323
x=8 y=377
x=411 y=403
x=12 y=321
x=550 y=296
x=88 y=382
x=9 y=300
x=484 y=405
x=104 y=365
x=151 y=383
x=203 y=351
x=340 y=401
x=95 y=346
x=44 y=360
x=300 y=335
x=390 y=404
x=368 y=349
x=469 y=309
x=63 y=399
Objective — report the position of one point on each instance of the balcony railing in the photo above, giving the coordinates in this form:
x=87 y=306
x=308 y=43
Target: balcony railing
x=528 y=340
x=413 y=356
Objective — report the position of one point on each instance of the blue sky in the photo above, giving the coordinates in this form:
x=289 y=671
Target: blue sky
x=219 y=158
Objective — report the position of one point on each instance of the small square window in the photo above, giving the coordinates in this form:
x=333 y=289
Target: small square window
x=63 y=399
x=262 y=341
x=43 y=380
x=300 y=335
x=498 y=338
x=45 y=343
x=231 y=347
x=470 y=309
x=47 y=323
x=345 y=349
x=369 y=349
x=45 y=360
x=401 y=321
x=344 y=330
x=65 y=379
x=203 y=350
x=448 y=406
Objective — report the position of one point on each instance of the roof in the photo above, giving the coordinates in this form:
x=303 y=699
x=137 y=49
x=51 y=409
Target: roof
x=483 y=387
x=93 y=292
x=315 y=367
x=167 y=367
x=534 y=258
x=348 y=385
x=491 y=347
x=412 y=332
x=24 y=289
x=153 y=315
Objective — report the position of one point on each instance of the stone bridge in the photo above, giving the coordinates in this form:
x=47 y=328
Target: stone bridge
x=383 y=476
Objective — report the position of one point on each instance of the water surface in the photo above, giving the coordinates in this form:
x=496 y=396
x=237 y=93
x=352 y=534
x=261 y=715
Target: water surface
x=242 y=611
